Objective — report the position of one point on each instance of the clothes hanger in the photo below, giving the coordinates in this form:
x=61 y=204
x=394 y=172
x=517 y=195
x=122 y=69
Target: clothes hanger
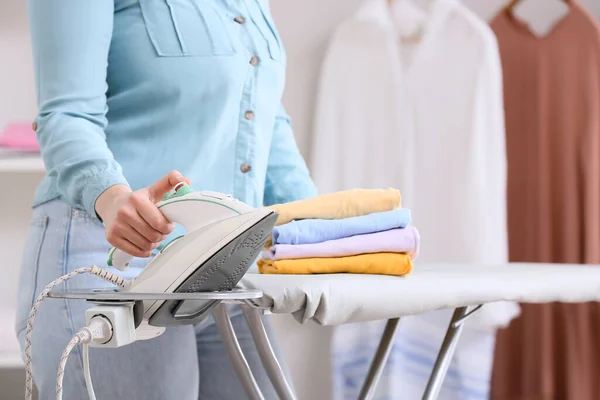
x=390 y=2
x=393 y=1
x=509 y=7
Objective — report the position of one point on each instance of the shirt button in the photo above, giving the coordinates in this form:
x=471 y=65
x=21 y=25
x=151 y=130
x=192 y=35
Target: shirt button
x=34 y=126
x=245 y=168
x=239 y=20
x=254 y=61
x=249 y=115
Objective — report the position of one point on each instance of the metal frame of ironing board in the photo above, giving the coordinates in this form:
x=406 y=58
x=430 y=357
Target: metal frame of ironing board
x=253 y=316
x=275 y=373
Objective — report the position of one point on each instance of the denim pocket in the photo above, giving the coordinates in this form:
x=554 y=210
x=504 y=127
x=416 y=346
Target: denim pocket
x=180 y=28
x=29 y=268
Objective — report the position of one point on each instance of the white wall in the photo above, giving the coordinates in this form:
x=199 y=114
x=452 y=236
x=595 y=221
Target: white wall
x=305 y=27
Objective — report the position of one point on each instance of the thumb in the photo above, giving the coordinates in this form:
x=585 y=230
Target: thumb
x=157 y=190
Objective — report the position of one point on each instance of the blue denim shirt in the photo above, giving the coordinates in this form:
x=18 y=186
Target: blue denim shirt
x=131 y=89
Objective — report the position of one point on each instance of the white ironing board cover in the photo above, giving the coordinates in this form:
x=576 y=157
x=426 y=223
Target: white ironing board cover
x=336 y=299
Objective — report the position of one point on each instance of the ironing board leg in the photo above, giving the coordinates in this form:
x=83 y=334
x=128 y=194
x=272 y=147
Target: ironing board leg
x=379 y=360
x=267 y=356
x=442 y=363
x=240 y=365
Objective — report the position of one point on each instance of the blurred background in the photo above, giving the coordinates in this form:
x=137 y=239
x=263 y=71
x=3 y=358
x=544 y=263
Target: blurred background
x=307 y=28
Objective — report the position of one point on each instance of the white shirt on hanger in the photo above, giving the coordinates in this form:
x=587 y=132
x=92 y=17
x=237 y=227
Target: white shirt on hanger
x=419 y=109
x=412 y=98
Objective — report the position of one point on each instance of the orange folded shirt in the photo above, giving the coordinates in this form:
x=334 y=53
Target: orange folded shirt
x=376 y=264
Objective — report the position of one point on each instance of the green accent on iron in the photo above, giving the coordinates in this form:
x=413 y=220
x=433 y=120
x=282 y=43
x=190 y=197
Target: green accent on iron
x=169 y=242
x=110 y=256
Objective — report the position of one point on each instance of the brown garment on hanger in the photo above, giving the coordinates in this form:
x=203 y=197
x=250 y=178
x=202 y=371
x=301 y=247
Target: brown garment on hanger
x=552 y=104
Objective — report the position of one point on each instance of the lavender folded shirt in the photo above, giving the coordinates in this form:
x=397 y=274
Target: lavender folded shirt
x=309 y=231
x=392 y=241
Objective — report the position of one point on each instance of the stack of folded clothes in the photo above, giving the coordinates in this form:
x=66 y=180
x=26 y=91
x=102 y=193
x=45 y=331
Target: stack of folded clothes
x=357 y=231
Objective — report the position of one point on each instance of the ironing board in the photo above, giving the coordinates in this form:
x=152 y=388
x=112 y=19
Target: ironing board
x=347 y=298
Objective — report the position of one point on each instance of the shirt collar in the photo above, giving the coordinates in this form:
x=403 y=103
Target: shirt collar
x=378 y=12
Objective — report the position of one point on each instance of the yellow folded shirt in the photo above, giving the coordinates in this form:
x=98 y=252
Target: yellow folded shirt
x=339 y=205
x=375 y=264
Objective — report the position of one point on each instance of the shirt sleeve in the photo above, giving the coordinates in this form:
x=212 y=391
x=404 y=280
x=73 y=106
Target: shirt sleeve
x=490 y=129
x=70 y=40
x=487 y=190
x=325 y=154
x=288 y=178
x=486 y=194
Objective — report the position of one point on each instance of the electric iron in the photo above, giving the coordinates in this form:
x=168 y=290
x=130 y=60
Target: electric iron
x=223 y=238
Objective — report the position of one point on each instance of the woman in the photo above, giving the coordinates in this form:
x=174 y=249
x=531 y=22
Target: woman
x=129 y=93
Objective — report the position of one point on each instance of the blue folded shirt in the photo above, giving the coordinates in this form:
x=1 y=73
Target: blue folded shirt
x=309 y=231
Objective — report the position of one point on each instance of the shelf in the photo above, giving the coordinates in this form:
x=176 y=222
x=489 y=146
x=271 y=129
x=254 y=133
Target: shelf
x=22 y=164
x=10 y=354
x=11 y=360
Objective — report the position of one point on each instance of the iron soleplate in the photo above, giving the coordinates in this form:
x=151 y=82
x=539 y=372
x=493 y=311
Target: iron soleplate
x=220 y=272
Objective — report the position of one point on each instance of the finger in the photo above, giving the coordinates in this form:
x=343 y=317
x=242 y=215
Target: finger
x=158 y=189
x=147 y=231
x=133 y=236
x=129 y=248
x=175 y=177
x=129 y=215
x=152 y=216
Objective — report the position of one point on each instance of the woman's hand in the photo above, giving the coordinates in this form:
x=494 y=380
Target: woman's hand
x=133 y=222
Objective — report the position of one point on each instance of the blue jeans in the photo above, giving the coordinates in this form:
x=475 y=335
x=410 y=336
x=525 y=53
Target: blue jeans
x=184 y=363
